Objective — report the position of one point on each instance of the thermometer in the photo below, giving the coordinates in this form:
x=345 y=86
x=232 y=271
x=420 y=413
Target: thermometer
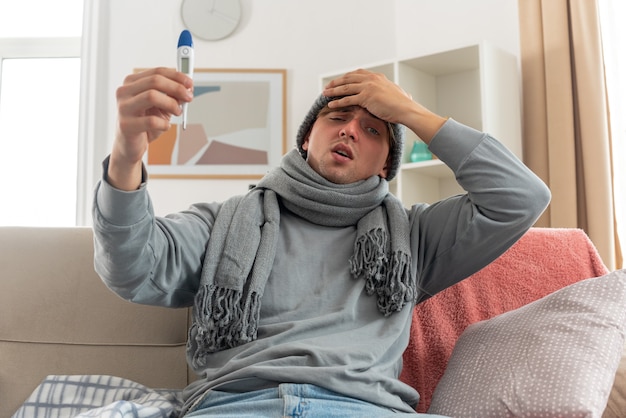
x=185 y=62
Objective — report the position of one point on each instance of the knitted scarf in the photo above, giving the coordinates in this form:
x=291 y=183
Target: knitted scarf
x=243 y=241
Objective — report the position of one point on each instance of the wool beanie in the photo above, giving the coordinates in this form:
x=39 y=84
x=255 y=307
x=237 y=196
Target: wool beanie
x=395 y=152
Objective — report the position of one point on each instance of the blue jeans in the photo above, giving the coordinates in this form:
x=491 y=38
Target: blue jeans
x=290 y=400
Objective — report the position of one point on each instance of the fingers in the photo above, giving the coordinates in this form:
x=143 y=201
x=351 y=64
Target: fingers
x=351 y=77
x=350 y=84
x=160 y=88
x=372 y=91
x=384 y=99
x=152 y=125
x=365 y=86
x=148 y=99
x=167 y=73
x=147 y=104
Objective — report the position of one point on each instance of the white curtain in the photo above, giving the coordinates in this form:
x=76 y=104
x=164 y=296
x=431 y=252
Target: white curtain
x=612 y=18
x=566 y=135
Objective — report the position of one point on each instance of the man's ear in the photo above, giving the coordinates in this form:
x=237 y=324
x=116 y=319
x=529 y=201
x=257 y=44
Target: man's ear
x=305 y=143
x=383 y=172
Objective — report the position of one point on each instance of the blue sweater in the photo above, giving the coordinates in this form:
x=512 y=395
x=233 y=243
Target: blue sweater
x=317 y=324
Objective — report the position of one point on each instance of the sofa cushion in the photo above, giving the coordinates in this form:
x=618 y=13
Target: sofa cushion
x=554 y=357
x=543 y=261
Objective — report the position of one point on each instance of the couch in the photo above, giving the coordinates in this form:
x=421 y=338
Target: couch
x=57 y=318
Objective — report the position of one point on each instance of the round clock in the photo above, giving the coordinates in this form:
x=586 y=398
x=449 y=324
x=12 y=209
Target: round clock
x=211 y=19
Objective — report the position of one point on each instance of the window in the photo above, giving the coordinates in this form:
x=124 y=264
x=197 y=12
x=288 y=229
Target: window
x=612 y=16
x=39 y=97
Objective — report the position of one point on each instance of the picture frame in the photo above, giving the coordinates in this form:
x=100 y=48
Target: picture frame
x=236 y=128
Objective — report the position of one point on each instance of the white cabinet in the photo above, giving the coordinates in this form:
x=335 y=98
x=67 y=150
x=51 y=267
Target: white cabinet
x=477 y=85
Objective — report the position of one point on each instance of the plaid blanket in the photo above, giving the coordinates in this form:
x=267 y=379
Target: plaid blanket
x=61 y=396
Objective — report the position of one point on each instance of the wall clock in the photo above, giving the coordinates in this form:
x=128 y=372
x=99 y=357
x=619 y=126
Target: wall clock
x=211 y=20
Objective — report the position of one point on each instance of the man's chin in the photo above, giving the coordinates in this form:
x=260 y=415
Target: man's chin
x=337 y=173
x=338 y=177
x=341 y=178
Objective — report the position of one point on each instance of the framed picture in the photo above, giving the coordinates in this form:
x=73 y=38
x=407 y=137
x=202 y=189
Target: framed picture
x=236 y=127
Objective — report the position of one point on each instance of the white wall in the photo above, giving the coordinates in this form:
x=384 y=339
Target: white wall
x=307 y=38
x=429 y=26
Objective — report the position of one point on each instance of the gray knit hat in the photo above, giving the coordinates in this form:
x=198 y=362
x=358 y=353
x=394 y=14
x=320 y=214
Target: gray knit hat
x=395 y=153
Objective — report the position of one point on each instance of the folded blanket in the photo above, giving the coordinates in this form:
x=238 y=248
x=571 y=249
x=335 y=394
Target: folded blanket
x=83 y=396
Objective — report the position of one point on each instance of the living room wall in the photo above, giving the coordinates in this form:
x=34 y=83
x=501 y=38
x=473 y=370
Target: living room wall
x=307 y=38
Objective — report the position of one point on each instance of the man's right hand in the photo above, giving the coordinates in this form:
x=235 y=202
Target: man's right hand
x=145 y=102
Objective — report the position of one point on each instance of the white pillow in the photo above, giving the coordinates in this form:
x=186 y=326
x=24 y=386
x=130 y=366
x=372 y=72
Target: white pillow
x=556 y=356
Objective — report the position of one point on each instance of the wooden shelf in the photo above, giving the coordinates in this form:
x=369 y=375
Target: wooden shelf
x=432 y=168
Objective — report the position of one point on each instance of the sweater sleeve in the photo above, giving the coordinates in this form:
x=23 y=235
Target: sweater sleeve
x=147 y=259
x=458 y=236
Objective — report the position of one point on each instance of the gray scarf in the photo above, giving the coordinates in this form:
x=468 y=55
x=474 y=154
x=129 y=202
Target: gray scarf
x=242 y=246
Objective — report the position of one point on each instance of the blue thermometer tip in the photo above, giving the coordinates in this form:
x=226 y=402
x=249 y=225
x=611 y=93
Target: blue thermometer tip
x=185 y=39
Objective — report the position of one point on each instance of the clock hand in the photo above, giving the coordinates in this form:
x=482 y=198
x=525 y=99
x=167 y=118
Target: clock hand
x=224 y=16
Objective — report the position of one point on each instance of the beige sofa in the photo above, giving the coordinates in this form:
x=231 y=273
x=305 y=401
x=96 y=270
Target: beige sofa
x=56 y=317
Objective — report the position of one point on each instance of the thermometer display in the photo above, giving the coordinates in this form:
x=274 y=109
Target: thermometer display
x=184 y=65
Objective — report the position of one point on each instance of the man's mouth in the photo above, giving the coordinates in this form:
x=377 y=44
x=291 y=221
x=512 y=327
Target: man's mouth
x=343 y=151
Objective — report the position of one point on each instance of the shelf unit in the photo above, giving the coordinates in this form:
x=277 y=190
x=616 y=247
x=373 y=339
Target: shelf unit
x=477 y=85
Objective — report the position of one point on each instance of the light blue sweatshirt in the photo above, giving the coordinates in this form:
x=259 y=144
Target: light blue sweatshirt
x=317 y=324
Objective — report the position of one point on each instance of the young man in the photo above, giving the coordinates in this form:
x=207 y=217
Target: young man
x=303 y=288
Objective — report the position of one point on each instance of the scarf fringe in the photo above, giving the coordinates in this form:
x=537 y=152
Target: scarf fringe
x=239 y=255
x=223 y=322
x=389 y=280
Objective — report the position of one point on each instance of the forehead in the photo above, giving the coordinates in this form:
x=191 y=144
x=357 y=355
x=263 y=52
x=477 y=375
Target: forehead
x=347 y=109
x=350 y=110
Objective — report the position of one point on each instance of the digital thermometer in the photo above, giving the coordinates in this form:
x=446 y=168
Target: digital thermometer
x=185 y=62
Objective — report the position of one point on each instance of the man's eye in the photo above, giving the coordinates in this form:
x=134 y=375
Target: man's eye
x=337 y=119
x=373 y=131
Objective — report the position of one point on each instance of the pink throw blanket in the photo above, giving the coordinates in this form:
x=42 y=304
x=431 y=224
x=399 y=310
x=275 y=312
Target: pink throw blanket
x=541 y=262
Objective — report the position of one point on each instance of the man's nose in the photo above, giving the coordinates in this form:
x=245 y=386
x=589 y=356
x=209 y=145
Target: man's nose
x=350 y=130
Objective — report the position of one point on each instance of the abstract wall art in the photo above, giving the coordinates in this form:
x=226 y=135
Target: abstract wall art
x=236 y=127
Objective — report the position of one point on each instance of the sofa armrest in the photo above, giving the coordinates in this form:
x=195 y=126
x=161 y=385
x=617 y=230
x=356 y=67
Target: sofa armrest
x=616 y=406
